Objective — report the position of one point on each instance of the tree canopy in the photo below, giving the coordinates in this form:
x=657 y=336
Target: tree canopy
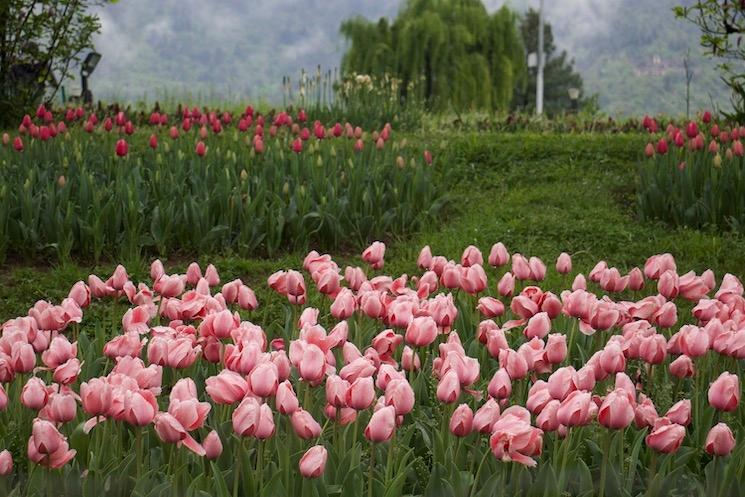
x=39 y=41
x=452 y=53
x=722 y=25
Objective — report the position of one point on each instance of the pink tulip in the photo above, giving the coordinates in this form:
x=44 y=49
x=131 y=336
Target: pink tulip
x=313 y=462
x=424 y=261
x=252 y=419
x=304 y=425
x=400 y=395
x=720 y=441
x=34 y=394
x=471 y=256
x=285 y=399
x=473 y=279
x=382 y=425
x=264 y=379
x=561 y=383
x=539 y=326
x=60 y=351
x=665 y=437
x=421 y=331
x=344 y=304
x=47 y=446
x=22 y=357
x=374 y=255
x=361 y=393
x=680 y=412
x=461 y=422
x=577 y=409
x=498 y=256
x=96 y=396
x=500 y=386
x=227 y=387
x=724 y=392
x=485 y=417
x=556 y=348
x=564 y=263
x=6 y=463
x=514 y=439
x=682 y=367
x=506 y=285
x=212 y=445
x=448 y=389
x=410 y=360
x=490 y=307
x=616 y=411
x=514 y=363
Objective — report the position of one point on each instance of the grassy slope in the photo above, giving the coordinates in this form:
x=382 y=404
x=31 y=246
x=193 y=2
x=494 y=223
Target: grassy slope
x=539 y=194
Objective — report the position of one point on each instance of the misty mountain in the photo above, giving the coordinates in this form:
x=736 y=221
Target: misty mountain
x=629 y=52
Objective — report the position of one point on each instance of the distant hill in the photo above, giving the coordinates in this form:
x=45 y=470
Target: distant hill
x=630 y=52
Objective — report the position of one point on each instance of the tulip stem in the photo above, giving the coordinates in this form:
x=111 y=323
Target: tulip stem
x=370 y=474
x=572 y=334
x=50 y=484
x=564 y=458
x=237 y=469
x=389 y=463
x=652 y=474
x=604 y=466
x=259 y=465
x=478 y=472
x=138 y=450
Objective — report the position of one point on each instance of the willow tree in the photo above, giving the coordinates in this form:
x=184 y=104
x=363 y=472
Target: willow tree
x=455 y=52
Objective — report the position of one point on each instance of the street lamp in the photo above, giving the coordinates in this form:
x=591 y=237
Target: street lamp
x=89 y=64
x=574 y=98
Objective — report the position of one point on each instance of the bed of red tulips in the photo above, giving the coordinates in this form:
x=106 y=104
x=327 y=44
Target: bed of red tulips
x=693 y=174
x=468 y=379
x=105 y=184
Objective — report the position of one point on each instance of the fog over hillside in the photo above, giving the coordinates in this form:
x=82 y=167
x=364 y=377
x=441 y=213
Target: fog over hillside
x=630 y=52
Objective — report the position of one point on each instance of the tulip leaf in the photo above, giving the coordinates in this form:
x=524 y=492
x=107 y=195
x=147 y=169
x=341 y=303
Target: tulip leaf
x=219 y=481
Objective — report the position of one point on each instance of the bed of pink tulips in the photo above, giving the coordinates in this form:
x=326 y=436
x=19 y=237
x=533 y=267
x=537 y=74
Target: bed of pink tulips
x=468 y=379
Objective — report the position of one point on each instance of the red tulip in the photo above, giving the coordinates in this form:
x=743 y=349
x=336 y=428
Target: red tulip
x=201 y=149
x=122 y=148
x=153 y=141
x=18 y=144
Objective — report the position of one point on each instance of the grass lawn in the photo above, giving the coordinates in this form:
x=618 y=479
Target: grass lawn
x=538 y=194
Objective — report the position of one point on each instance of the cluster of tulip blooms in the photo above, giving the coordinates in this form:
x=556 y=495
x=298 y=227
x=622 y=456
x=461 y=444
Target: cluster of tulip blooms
x=693 y=174
x=207 y=122
x=542 y=366
x=693 y=137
